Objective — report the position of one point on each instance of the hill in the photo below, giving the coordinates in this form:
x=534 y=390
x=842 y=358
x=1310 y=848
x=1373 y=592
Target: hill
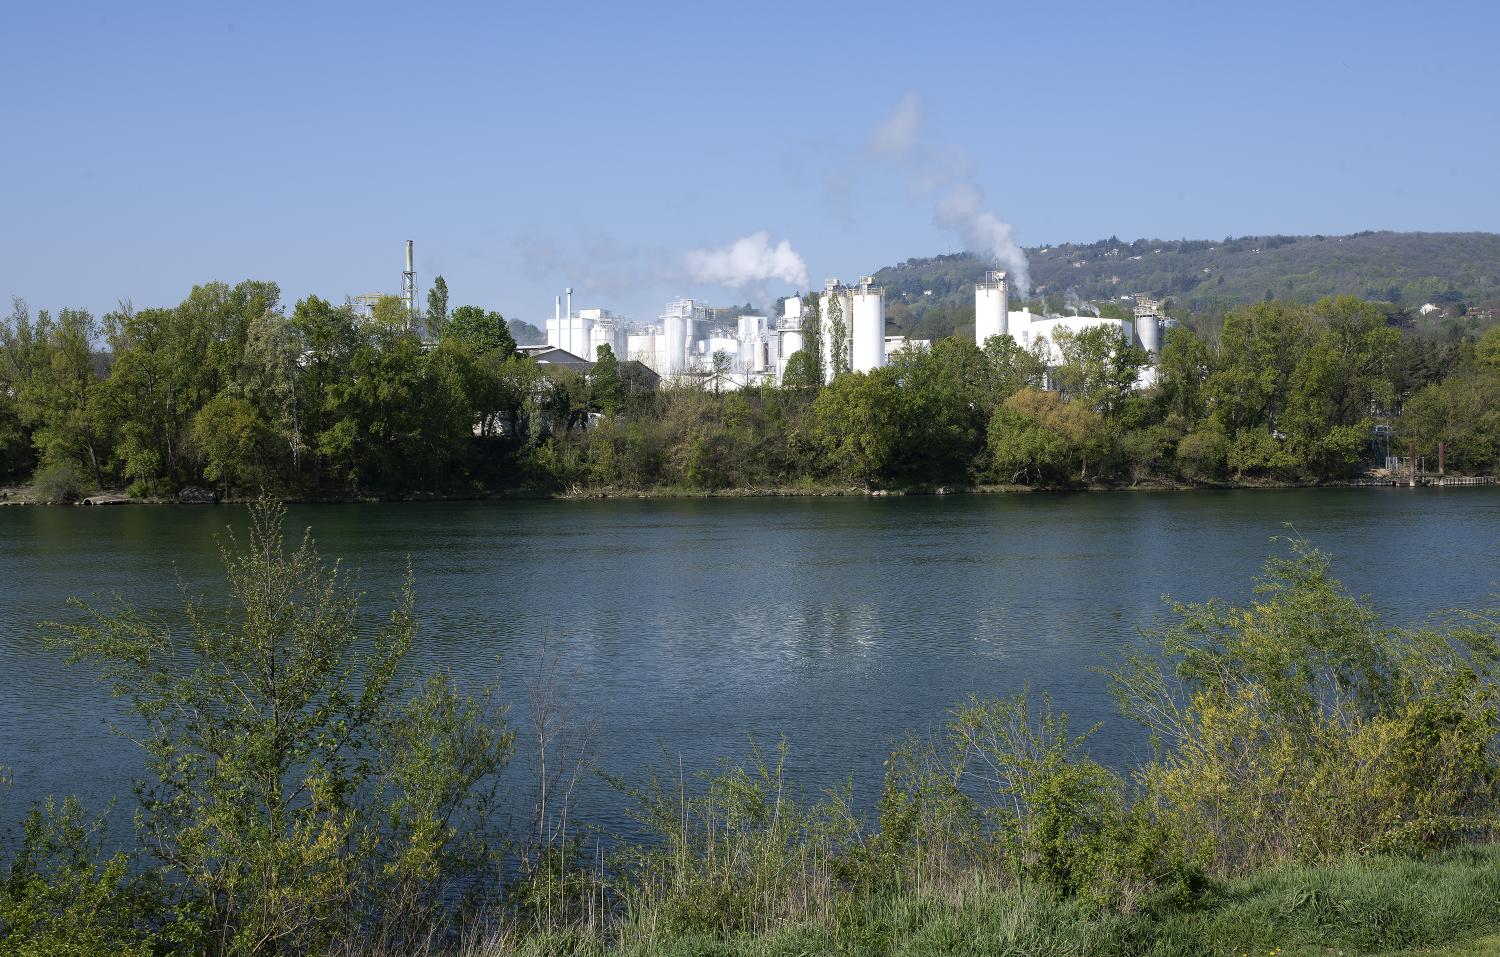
x=1458 y=271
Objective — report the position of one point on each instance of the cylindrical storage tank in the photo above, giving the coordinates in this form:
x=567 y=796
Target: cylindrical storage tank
x=834 y=294
x=868 y=329
x=1148 y=328
x=991 y=309
x=791 y=342
x=675 y=358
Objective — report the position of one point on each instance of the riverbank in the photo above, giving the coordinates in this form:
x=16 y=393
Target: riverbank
x=1442 y=905
x=25 y=495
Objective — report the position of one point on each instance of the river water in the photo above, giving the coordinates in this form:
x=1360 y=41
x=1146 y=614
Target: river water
x=680 y=628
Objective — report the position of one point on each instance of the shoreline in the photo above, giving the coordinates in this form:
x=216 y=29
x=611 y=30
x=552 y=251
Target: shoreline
x=20 y=495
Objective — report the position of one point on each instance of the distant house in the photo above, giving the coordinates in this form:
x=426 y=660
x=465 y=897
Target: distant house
x=638 y=377
x=1428 y=309
x=559 y=358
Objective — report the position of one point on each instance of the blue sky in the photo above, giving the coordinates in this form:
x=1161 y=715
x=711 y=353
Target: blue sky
x=527 y=147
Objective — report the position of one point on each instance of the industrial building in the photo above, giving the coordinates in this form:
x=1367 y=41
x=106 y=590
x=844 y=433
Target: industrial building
x=994 y=317
x=583 y=332
x=851 y=326
x=687 y=336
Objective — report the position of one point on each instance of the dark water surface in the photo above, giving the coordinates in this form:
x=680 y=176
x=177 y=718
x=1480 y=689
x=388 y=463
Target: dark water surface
x=681 y=627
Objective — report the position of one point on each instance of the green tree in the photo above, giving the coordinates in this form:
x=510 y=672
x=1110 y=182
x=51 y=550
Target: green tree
x=801 y=371
x=234 y=441
x=1182 y=375
x=1013 y=368
x=437 y=308
x=719 y=370
x=1099 y=368
x=61 y=399
x=268 y=378
x=606 y=391
x=857 y=423
x=837 y=347
x=812 y=333
x=1039 y=437
x=392 y=313
x=480 y=331
x=1463 y=413
x=301 y=788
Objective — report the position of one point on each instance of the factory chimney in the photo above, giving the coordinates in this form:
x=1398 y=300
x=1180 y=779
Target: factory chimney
x=409 y=286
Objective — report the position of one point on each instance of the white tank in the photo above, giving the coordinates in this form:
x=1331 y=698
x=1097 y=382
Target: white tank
x=833 y=291
x=991 y=308
x=789 y=332
x=868 y=327
x=674 y=357
x=1148 y=328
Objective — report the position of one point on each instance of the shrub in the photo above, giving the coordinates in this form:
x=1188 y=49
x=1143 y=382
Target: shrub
x=58 y=484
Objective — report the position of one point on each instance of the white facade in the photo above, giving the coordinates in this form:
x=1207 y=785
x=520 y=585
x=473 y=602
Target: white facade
x=583 y=332
x=991 y=308
x=647 y=348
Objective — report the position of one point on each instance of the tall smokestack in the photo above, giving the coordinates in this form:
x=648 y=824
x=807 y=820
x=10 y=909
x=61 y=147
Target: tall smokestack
x=570 y=301
x=409 y=287
x=557 y=310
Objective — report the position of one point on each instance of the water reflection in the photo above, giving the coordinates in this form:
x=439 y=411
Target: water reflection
x=683 y=627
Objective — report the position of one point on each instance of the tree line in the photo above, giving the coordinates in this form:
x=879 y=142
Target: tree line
x=233 y=391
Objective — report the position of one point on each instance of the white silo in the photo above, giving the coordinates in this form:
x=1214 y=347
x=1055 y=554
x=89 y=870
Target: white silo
x=790 y=326
x=834 y=291
x=991 y=308
x=789 y=334
x=867 y=327
x=674 y=358
x=1148 y=327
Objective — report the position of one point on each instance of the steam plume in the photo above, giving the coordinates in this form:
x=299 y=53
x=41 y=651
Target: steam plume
x=748 y=260
x=947 y=171
x=983 y=233
x=898 y=133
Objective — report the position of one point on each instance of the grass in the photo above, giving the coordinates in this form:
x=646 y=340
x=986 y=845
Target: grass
x=1486 y=946
x=1446 y=905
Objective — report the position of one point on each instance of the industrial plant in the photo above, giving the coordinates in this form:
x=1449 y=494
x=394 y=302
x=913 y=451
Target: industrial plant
x=691 y=340
x=851 y=333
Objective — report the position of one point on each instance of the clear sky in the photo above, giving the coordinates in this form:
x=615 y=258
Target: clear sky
x=529 y=146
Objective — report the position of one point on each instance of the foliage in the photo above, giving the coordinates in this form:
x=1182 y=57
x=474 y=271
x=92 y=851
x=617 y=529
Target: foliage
x=481 y=332
x=58 y=484
x=1298 y=727
x=1040 y=438
x=437 y=308
x=1207 y=276
x=227 y=389
x=299 y=788
x=62 y=894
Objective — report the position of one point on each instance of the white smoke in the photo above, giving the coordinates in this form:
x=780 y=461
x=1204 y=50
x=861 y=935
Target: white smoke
x=746 y=261
x=984 y=234
x=898 y=133
x=961 y=210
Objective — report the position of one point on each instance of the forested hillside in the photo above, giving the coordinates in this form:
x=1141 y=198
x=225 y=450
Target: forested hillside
x=1459 y=272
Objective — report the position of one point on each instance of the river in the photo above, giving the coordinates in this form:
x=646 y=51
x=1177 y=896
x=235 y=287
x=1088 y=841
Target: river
x=680 y=628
